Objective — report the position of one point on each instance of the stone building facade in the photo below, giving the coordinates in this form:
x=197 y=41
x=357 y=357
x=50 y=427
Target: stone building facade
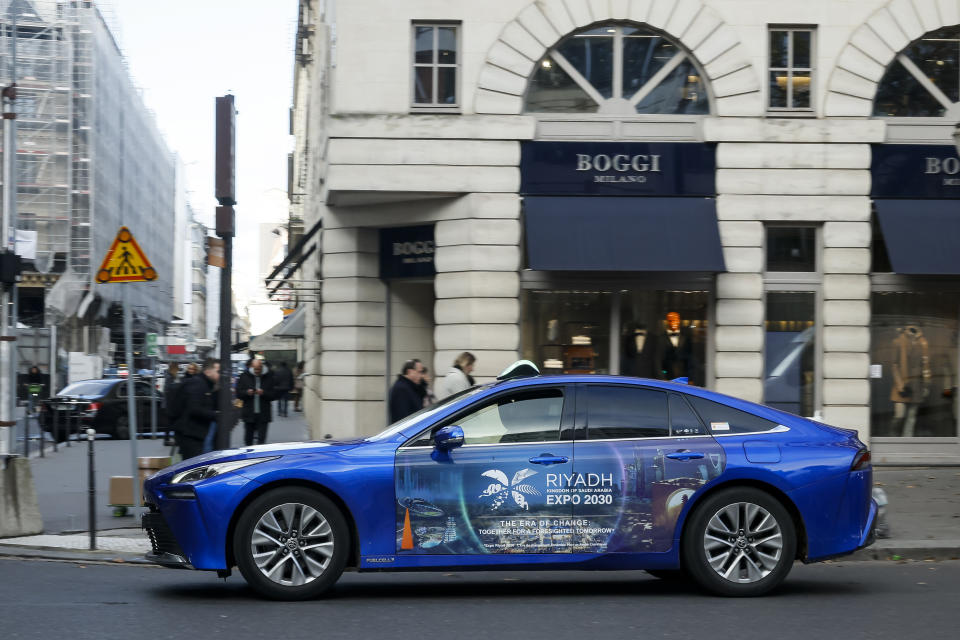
x=757 y=193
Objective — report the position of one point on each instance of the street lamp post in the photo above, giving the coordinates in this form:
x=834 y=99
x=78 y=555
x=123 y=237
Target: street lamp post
x=225 y=192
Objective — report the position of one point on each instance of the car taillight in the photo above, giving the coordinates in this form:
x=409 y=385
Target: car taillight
x=861 y=460
x=93 y=407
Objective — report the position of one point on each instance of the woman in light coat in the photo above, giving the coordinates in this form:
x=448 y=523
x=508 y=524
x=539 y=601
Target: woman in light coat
x=458 y=378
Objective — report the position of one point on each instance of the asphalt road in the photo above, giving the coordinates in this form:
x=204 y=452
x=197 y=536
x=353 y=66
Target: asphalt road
x=854 y=600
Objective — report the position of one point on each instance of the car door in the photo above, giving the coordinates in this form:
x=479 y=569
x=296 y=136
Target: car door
x=640 y=455
x=498 y=492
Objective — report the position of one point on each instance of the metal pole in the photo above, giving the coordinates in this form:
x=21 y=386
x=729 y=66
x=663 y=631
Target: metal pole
x=131 y=400
x=225 y=398
x=92 y=490
x=153 y=399
x=10 y=119
x=54 y=424
x=8 y=384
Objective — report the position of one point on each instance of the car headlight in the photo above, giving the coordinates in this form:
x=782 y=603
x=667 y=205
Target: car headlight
x=219 y=468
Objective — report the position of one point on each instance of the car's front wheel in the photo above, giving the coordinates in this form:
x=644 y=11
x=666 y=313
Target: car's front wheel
x=291 y=544
x=739 y=542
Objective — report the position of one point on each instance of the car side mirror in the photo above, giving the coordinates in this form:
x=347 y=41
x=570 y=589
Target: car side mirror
x=447 y=438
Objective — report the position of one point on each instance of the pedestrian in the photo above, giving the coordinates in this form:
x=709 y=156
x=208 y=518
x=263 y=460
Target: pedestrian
x=406 y=395
x=283 y=385
x=170 y=377
x=458 y=378
x=199 y=414
x=298 y=380
x=428 y=397
x=255 y=388
x=191 y=370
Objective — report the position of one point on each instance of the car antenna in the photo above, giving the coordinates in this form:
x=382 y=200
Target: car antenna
x=519 y=369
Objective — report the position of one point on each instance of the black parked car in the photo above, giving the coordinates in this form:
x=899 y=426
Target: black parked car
x=102 y=405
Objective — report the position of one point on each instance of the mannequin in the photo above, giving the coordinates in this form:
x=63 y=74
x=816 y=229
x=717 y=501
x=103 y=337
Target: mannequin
x=671 y=362
x=911 y=376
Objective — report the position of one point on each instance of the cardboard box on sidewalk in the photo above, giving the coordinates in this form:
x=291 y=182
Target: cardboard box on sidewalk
x=121 y=487
x=121 y=490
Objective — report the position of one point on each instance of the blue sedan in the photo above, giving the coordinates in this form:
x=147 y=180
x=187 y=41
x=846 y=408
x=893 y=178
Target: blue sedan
x=530 y=472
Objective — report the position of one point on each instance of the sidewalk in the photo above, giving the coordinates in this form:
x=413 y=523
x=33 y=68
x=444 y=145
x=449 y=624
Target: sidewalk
x=922 y=515
x=62 y=490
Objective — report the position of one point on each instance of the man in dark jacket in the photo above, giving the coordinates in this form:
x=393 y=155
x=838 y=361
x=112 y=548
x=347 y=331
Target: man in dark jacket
x=282 y=383
x=199 y=413
x=407 y=394
x=256 y=389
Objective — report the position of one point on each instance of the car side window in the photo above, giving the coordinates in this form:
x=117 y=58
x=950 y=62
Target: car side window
x=527 y=416
x=721 y=419
x=626 y=412
x=683 y=421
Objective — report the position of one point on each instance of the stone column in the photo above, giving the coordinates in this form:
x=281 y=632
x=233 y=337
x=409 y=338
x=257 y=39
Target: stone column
x=352 y=318
x=478 y=285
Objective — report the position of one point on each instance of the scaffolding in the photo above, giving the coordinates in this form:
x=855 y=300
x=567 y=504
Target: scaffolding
x=90 y=157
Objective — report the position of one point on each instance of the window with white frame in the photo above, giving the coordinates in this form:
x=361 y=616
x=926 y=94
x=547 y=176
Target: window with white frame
x=791 y=68
x=436 y=64
x=618 y=69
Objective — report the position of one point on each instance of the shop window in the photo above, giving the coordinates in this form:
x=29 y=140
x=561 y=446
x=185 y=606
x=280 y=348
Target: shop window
x=618 y=69
x=791 y=249
x=626 y=412
x=913 y=378
x=723 y=419
x=568 y=331
x=879 y=258
x=436 y=65
x=924 y=79
x=663 y=335
x=790 y=352
x=790 y=68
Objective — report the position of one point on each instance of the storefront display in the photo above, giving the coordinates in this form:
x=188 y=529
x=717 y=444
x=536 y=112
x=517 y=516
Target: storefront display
x=914 y=351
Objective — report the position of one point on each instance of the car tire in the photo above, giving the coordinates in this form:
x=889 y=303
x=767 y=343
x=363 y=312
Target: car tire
x=739 y=542
x=121 y=428
x=280 y=560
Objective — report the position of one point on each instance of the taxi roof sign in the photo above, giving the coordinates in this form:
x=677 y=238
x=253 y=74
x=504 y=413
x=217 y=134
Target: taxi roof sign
x=125 y=261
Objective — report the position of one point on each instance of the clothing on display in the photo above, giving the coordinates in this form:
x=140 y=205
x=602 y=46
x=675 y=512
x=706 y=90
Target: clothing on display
x=911 y=376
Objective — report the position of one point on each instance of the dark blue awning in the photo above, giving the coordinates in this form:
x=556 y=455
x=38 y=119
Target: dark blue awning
x=622 y=234
x=922 y=236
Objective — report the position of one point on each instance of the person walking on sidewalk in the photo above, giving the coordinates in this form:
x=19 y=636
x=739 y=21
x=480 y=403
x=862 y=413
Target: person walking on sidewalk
x=199 y=416
x=406 y=395
x=458 y=378
x=283 y=384
x=298 y=376
x=256 y=389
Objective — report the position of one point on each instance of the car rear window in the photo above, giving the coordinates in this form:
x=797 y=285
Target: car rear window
x=721 y=419
x=86 y=388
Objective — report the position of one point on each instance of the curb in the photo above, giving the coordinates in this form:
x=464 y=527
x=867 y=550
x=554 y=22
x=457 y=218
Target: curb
x=72 y=555
x=908 y=550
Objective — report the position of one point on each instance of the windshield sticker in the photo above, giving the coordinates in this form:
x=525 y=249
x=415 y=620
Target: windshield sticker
x=720 y=426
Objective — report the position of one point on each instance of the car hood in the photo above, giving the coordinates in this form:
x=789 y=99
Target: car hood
x=263 y=451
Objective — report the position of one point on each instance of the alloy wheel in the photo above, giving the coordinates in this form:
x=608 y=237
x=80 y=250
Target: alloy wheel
x=292 y=544
x=743 y=542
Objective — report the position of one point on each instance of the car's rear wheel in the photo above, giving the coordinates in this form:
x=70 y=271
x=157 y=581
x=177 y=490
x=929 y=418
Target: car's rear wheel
x=291 y=544
x=739 y=542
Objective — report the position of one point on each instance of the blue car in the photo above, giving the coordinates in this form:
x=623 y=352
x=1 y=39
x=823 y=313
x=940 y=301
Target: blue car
x=529 y=472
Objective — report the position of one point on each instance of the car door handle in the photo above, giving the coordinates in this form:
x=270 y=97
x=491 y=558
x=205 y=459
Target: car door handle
x=547 y=458
x=685 y=455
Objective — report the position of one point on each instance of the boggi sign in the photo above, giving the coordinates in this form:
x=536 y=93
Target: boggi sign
x=620 y=162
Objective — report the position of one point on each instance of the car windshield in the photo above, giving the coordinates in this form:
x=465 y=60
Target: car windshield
x=86 y=388
x=400 y=425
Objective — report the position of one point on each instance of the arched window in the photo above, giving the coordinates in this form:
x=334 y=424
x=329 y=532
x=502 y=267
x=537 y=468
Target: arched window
x=617 y=69
x=924 y=79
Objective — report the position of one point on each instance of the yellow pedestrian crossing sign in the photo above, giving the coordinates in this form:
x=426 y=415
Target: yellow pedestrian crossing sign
x=125 y=261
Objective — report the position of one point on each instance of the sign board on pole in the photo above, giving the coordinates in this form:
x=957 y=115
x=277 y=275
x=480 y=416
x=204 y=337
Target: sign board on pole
x=151 y=345
x=125 y=261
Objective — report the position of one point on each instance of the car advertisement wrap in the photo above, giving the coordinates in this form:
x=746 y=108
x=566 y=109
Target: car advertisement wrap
x=531 y=498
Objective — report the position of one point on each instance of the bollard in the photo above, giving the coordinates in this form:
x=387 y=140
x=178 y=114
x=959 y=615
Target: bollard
x=53 y=428
x=92 y=506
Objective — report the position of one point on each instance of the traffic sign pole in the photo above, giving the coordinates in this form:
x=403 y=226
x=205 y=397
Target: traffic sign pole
x=131 y=400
